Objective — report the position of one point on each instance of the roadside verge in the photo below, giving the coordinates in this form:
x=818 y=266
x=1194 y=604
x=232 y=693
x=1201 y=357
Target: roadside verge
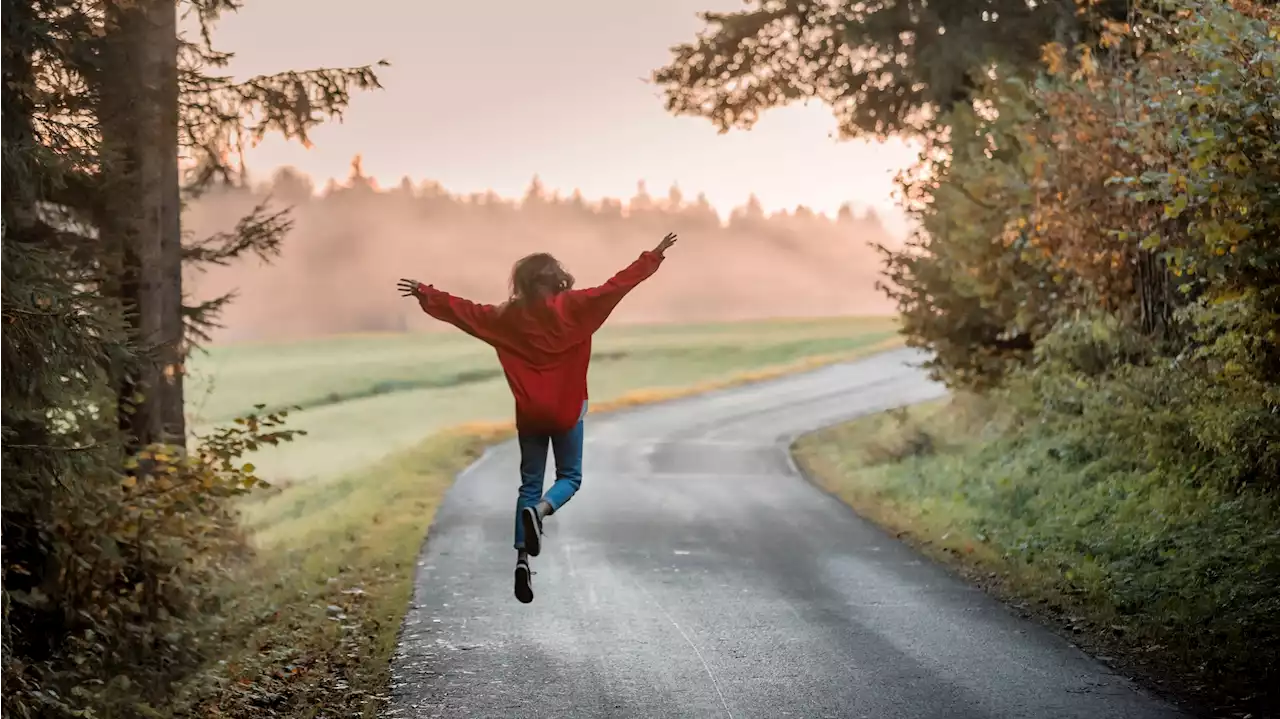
x=1167 y=584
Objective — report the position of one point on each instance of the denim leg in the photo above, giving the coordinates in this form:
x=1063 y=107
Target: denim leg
x=568 y=451
x=533 y=469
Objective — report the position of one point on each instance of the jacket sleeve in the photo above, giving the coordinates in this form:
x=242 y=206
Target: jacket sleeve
x=474 y=319
x=591 y=307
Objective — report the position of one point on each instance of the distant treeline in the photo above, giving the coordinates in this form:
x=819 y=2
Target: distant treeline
x=350 y=241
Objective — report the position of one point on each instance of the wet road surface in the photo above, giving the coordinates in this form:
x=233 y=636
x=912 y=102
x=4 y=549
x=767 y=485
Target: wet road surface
x=696 y=574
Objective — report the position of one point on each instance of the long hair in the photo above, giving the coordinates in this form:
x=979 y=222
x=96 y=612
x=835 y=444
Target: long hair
x=538 y=276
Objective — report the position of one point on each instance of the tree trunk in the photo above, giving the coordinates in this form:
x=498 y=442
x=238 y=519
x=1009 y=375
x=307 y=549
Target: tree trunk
x=1155 y=297
x=139 y=125
x=1160 y=294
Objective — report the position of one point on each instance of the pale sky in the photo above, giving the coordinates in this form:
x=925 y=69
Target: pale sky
x=484 y=95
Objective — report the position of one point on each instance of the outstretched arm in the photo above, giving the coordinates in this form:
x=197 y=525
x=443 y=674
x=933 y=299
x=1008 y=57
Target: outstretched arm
x=474 y=319
x=592 y=306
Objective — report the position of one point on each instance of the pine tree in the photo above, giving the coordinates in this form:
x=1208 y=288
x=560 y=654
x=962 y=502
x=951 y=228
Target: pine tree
x=100 y=100
x=60 y=334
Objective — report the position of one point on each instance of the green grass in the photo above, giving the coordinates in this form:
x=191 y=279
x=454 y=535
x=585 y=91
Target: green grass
x=1173 y=579
x=312 y=621
x=366 y=396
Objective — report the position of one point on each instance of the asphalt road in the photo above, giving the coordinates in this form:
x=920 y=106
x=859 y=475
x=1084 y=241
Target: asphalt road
x=696 y=574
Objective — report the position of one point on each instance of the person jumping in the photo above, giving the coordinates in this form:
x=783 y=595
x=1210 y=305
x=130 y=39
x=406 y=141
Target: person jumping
x=542 y=335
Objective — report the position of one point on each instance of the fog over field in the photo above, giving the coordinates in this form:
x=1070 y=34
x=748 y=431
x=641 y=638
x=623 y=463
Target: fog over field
x=352 y=240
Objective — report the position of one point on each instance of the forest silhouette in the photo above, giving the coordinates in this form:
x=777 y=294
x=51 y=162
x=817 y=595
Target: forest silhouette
x=352 y=240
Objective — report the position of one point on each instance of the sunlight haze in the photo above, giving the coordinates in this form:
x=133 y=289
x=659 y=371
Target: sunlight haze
x=486 y=95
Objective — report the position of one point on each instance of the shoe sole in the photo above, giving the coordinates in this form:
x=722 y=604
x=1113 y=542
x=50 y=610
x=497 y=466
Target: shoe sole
x=524 y=587
x=532 y=533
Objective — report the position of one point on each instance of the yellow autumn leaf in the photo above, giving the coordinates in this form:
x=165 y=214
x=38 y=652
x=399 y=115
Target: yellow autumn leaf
x=1088 y=67
x=1052 y=56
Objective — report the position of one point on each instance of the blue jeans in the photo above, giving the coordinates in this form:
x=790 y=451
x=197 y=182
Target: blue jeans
x=533 y=469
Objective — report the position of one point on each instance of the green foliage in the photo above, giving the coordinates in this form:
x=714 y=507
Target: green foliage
x=1091 y=344
x=1104 y=236
x=1175 y=417
x=1213 y=117
x=1119 y=185
x=59 y=338
x=50 y=442
x=141 y=553
x=904 y=440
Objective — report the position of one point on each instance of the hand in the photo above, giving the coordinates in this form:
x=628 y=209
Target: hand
x=666 y=244
x=409 y=288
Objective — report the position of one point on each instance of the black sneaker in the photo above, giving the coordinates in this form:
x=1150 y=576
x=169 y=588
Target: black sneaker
x=532 y=531
x=524 y=582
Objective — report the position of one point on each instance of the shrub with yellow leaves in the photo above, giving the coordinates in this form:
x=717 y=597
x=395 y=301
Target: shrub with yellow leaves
x=140 y=555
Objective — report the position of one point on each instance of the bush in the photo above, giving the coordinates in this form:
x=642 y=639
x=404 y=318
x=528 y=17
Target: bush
x=140 y=554
x=1100 y=252
x=904 y=439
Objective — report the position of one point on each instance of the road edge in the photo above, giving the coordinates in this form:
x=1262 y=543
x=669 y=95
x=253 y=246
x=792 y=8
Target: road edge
x=1008 y=599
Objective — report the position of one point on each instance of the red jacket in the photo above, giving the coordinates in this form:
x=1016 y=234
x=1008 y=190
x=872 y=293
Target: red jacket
x=545 y=346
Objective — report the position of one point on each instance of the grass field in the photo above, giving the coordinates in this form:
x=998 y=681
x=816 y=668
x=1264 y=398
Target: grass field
x=309 y=627
x=363 y=397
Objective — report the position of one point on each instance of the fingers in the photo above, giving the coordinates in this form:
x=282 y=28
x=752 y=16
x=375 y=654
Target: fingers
x=408 y=288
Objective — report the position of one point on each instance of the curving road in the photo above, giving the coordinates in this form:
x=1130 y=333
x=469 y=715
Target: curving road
x=696 y=574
